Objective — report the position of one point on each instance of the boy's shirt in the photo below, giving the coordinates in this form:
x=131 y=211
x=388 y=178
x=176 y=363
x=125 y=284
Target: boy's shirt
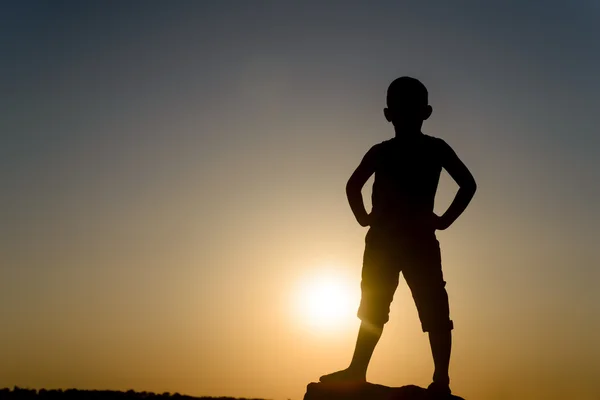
x=407 y=172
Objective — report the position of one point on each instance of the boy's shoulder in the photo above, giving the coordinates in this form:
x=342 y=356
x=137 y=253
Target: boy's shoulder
x=428 y=140
x=392 y=148
x=433 y=140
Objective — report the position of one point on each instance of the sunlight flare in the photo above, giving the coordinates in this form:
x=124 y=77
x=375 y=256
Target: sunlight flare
x=327 y=300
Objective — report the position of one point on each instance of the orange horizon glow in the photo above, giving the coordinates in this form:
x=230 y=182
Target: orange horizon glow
x=173 y=214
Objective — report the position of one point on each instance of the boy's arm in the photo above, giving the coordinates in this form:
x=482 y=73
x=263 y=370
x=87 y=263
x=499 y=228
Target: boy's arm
x=357 y=180
x=467 y=186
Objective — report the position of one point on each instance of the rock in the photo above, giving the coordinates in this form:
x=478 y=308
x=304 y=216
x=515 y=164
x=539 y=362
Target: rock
x=368 y=391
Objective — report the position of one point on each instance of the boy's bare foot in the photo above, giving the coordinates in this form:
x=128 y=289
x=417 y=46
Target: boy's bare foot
x=346 y=375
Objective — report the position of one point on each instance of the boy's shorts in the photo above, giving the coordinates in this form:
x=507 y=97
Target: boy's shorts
x=419 y=259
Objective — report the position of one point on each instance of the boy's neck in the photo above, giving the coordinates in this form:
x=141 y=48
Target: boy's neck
x=407 y=132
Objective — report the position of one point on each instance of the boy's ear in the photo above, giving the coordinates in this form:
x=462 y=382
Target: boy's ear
x=388 y=114
x=427 y=112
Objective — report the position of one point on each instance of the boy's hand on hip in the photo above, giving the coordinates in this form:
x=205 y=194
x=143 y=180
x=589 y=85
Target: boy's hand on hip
x=364 y=220
x=438 y=222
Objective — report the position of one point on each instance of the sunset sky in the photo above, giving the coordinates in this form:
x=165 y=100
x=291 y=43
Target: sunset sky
x=173 y=197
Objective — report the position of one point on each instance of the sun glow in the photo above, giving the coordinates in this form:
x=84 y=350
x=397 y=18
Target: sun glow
x=327 y=300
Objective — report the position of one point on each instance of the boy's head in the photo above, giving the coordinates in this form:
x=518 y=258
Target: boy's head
x=407 y=103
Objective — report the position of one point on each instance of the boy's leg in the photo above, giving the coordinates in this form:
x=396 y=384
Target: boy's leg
x=379 y=282
x=425 y=279
x=441 y=347
x=368 y=336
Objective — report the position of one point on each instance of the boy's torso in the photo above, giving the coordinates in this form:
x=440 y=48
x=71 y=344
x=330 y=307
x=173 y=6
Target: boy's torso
x=407 y=172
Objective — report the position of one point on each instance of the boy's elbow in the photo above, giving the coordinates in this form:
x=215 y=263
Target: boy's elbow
x=470 y=187
x=348 y=188
x=352 y=187
x=467 y=184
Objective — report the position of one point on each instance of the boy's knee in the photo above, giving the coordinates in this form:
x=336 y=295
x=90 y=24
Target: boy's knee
x=376 y=299
x=374 y=308
x=434 y=310
x=375 y=317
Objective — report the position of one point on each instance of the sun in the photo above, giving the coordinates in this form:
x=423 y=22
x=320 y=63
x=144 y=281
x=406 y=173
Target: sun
x=326 y=300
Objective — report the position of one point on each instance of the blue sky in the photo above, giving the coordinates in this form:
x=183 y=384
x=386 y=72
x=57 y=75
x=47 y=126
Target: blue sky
x=157 y=158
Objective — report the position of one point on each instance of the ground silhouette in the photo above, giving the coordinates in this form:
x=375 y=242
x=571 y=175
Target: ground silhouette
x=370 y=391
x=18 y=393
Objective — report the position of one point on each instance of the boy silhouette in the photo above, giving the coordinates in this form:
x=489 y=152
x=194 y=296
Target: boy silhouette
x=402 y=227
